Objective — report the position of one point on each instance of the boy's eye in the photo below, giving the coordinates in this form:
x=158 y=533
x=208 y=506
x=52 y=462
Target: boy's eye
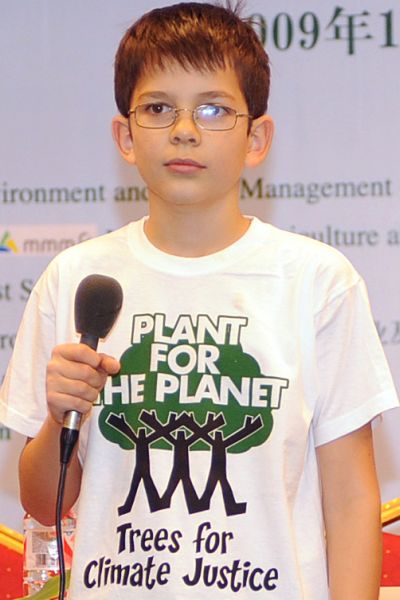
x=213 y=111
x=156 y=108
x=154 y=115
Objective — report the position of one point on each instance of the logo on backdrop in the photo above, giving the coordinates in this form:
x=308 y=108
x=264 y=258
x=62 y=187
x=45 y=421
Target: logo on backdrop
x=43 y=240
x=7 y=244
x=188 y=388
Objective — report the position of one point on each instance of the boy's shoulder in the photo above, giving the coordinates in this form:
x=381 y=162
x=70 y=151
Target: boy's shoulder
x=103 y=240
x=294 y=257
x=104 y=254
x=295 y=248
x=100 y=246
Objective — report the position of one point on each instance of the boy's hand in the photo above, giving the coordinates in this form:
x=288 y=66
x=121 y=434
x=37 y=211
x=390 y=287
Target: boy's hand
x=75 y=376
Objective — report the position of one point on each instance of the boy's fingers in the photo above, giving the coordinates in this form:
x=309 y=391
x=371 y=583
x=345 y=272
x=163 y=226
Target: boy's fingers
x=79 y=362
x=75 y=376
x=78 y=388
x=80 y=353
x=60 y=371
x=62 y=403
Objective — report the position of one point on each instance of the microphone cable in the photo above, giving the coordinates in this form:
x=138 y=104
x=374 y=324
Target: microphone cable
x=59 y=531
x=69 y=437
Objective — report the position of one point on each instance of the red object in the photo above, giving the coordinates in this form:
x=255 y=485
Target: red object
x=391 y=560
x=10 y=573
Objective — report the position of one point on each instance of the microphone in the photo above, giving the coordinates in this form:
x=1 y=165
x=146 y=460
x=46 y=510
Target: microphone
x=98 y=301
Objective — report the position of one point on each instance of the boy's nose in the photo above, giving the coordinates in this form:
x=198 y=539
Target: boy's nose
x=185 y=130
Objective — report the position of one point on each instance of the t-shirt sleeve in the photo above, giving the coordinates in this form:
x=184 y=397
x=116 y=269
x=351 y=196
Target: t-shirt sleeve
x=23 y=405
x=354 y=381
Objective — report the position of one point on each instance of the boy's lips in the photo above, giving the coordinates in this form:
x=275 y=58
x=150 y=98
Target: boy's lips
x=184 y=165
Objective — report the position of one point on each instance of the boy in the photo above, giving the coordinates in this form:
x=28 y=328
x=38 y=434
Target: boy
x=248 y=358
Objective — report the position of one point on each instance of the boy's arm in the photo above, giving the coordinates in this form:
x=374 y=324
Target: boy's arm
x=351 y=504
x=39 y=469
x=75 y=375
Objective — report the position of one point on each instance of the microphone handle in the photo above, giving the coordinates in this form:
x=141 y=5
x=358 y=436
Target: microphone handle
x=89 y=340
x=72 y=418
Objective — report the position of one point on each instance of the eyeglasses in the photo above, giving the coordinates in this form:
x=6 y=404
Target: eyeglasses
x=213 y=117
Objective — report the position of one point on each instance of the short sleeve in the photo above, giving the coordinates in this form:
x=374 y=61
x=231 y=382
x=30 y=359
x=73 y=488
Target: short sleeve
x=23 y=405
x=354 y=381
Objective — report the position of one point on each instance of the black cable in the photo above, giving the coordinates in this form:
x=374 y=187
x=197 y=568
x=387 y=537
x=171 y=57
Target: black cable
x=68 y=439
x=59 y=532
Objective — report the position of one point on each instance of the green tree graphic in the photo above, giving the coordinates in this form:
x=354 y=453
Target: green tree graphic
x=232 y=362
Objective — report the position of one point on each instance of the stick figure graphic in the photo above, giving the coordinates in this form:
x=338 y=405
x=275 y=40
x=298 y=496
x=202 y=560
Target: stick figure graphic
x=142 y=472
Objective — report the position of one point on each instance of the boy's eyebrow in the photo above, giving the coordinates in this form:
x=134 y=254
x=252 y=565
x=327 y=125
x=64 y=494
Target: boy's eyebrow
x=160 y=95
x=153 y=94
x=217 y=94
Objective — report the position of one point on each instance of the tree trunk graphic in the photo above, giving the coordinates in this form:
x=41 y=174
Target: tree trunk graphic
x=181 y=433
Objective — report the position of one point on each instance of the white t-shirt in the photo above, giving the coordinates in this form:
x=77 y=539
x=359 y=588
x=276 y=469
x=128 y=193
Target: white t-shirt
x=199 y=463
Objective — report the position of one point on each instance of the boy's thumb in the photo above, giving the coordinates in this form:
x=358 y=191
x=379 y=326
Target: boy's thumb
x=109 y=364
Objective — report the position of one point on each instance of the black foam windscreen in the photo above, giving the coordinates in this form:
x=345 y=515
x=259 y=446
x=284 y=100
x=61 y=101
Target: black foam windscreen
x=98 y=301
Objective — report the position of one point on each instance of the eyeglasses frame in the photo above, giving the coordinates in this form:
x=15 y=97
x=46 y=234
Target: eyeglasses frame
x=176 y=111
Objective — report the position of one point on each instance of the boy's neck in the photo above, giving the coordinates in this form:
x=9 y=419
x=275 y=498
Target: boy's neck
x=191 y=233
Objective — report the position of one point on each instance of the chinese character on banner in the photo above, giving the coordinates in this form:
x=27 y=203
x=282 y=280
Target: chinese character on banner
x=349 y=27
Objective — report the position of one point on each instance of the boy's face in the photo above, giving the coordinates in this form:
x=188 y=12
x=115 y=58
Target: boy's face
x=184 y=164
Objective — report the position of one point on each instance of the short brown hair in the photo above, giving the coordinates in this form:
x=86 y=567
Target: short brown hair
x=194 y=35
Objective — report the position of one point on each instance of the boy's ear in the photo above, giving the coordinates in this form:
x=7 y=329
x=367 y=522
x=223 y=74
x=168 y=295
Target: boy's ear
x=260 y=139
x=122 y=136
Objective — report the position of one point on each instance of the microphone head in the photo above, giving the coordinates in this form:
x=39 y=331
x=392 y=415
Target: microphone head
x=98 y=301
